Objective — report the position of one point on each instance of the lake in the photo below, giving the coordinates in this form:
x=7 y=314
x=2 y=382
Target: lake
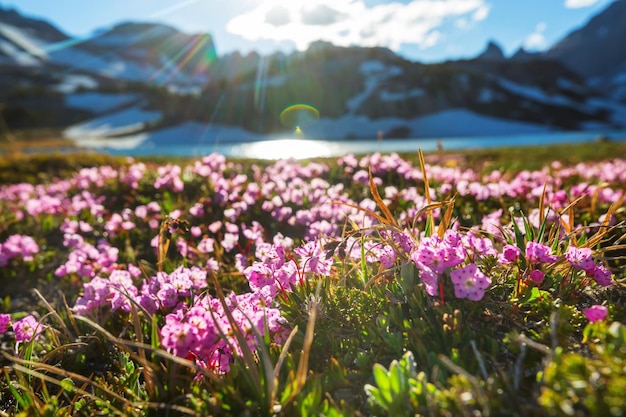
x=309 y=148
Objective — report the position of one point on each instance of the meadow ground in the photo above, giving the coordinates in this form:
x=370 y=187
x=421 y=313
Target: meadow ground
x=486 y=282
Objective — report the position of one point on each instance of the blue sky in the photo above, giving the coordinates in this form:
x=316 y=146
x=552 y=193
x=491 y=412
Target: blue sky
x=421 y=30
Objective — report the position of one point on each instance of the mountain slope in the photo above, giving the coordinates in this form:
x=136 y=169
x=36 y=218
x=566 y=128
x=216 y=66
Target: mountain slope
x=143 y=52
x=596 y=51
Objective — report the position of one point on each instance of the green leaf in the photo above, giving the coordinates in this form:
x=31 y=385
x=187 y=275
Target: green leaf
x=381 y=377
x=533 y=295
x=67 y=384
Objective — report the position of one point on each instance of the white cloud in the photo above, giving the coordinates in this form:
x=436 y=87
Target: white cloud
x=352 y=22
x=576 y=4
x=481 y=14
x=536 y=41
x=462 y=23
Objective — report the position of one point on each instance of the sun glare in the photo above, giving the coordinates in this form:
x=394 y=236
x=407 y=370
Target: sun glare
x=284 y=149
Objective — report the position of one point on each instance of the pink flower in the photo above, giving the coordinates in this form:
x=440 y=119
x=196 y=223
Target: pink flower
x=387 y=256
x=536 y=252
x=596 y=313
x=312 y=259
x=5 y=321
x=601 y=275
x=469 y=282
x=537 y=276
x=27 y=329
x=580 y=258
x=509 y=255
x=439 y=255
x=429 y=278
x=179 y=338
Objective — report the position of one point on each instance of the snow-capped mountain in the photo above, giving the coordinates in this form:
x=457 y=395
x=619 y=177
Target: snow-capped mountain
x=149 y=84
x=597 y=52
x=141 y=52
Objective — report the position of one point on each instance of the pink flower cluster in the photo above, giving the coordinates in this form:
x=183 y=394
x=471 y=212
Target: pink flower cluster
x=581 y=259
x=272 y=274
x=536 y=254
x=435 y=256
x=86 y=260
x=195 y=326
x=204 y=332
x=17 y=246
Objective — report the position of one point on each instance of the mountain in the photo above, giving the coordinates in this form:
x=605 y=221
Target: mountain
x=492 y=52
x=140 y=52
x=523 y=55
x=144 y=52
x=596 y=50
x=145 y=84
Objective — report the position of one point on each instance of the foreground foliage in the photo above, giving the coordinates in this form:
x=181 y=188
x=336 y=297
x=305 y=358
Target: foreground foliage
x=368 y=285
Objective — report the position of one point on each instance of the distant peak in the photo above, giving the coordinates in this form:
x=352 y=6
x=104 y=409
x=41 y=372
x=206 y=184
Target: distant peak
x=138 y=27
x=493 y=51
x=522 y=54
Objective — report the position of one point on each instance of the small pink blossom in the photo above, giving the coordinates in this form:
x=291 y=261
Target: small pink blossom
x=509 y=255
x=580 y=258
x=537 y=276
x=596 y=313
x=179 y=338
x=5 y=321
x=470 y=282
x=27 y=329
x=536 y=252
x=601 y=275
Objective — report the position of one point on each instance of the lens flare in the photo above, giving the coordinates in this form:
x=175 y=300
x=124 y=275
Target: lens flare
x=189 y=55
x=299 y=115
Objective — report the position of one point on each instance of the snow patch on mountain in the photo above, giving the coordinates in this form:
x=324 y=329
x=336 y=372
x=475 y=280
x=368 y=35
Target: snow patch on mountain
x=99 y=102
x=73 y=82
x=375 y=72
x=24 y=40
x=387 y=95
x=116 y=124
x=103 y=65
x=536 y=94
x=16 y=55
x=189 y=133
x=448 y=123
x=618 y=110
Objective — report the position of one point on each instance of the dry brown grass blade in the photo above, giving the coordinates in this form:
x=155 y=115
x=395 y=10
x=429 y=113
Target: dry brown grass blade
x=52 y=311
x=420 y=155
x=391 y=220
x=164 y=243
x=431 y=218
x=366 y=211
x=569 y=225
x=446 y=219
x=283 y=352
x=429 y=207
x=542 y=201
x=129 y=405
x=303 y=363
x=147 y=371
x=604 y=227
